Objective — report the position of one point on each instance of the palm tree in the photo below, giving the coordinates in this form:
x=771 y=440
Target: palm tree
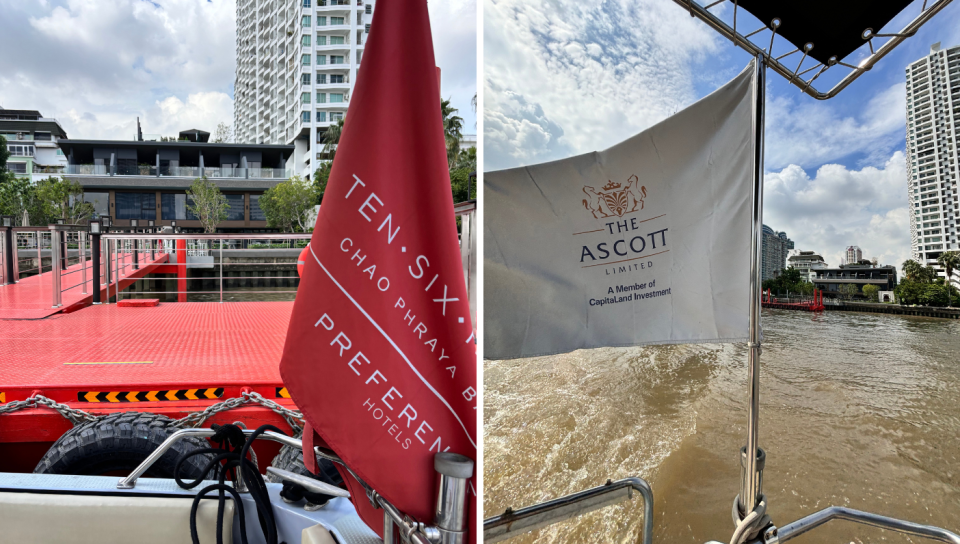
x=912 y=270
x=452 y=131
x=331 y=138
x=950 y=261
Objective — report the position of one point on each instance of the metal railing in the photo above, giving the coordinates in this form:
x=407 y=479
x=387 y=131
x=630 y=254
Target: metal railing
x=175 y=171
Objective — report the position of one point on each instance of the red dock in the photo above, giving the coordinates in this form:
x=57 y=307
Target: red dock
x=171 y=359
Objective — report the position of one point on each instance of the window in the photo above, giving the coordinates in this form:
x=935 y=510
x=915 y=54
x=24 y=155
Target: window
x=44 y=136
x=306 y=3
x=336 y=40
x=369 y=9
x=100 y=201
x=321 y=21
x=21 y=150
x=321 y=117
x=335 y=78
x=59 y=152
x=336 y=20
x=235 y=211
x=304 y=98
x=322 y=79
x=336 y=97
x=367 y=28
x=256 y=214
x=336 y=59
x=305 y=41
x=321 y=60
x=136 y=205
x=173 y=207
x=305 y=60
x=321 y=98
x=304 y=79
x=17 y=167
x=305 y=21
x=321 y=40
x=305 y=116
x=336 y=116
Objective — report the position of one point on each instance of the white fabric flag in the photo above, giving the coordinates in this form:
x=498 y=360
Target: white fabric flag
x=647 y=242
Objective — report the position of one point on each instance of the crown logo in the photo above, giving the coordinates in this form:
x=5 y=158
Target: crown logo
x=612 y=200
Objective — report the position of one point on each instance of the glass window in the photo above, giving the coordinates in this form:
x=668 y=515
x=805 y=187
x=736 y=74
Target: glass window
x=321 y=98
x=100 y=201
x=173 y=207
x=336 y=40
x=336 y=116
x=336 y=97
x=17 y=167
x=305 y=116
x=321 y=40
x=322 y=116
x=305 y=98
x=334 y=78
x=136 y=205
x=304 y=79
x=321 y=21
x=256 y=214
x=42 y=136
x=336 y=59
x=305 y=41
x=59 y=152
x=235 y=211
x=336 y=20
x=321 y=59
x=305 y=60
x=321 y=79
x=306 y=20
x=369 y=9
x=306 y=3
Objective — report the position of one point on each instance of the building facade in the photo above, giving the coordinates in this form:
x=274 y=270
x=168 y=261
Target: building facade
x=297 y=63
x=147 y=180
x=776 y=246
x=32 y=142
x=854 y=255
x=933 y=119
x=807 y=262
x=829 y=280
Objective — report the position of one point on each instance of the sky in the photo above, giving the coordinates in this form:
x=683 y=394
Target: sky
x=565 y=77
x=97 y=65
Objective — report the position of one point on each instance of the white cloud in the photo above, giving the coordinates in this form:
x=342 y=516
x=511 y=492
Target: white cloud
x=840 y=207
x=453 y=24
x=570 y=77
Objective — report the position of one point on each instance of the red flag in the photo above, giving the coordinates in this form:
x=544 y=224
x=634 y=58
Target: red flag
x=380 y=353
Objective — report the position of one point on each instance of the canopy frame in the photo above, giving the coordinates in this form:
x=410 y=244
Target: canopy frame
x=796 y=75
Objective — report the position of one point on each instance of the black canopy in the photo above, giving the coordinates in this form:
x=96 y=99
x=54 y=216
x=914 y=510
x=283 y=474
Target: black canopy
x=835 y=27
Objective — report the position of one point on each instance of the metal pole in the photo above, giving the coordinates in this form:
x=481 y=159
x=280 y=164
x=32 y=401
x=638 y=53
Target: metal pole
x=15 y=252
x=389 y=530
x=95 y=264
x=83 y=262
x=221 y=272
x=450 y=515
x=116 y=253
x=39 y=253
x=9 y=254
x=749 y=485
x=56 y=248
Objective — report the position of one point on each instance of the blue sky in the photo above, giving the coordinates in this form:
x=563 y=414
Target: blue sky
x=563 y=77
x=97 y=65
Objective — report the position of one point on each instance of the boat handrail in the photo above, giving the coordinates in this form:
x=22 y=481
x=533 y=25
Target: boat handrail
x=789 y=531
x=513 y=523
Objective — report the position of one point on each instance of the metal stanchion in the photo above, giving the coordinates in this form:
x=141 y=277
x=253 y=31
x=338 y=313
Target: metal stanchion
x=56 y=266
x=134 y=223
x=83 y=261
x=9 y=249
x=390 y=533
x=450 y=514
x=39 y=252
x=95 y=259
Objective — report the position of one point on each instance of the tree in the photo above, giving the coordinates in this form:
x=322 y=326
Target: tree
x=18 y=197
x=848 y=290
x=4 y=153
x=288 y=204
x=452 y=131
x=223 y=133
x=61 y=198
x=915 y=271
x=871 y=291
x=207 y=203
x=950 y=261
x=331 y=137
x=320 y=178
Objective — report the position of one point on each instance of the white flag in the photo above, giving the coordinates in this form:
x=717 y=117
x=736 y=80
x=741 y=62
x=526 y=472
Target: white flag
x=647 y=242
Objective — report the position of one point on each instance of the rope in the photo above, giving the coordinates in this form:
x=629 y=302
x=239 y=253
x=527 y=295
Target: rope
x=752 y=523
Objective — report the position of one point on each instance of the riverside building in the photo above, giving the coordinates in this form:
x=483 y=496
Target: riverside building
x=933 y=118
x=776 y=246
x=32 y=142
x=807 y=262
x=297 y=63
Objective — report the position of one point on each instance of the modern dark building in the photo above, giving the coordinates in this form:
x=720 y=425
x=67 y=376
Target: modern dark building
x=863 y=273
x=148 y=179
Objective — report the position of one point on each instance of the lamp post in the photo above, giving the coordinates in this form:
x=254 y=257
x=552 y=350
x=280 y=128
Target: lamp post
x=9 y=249
x=95 y=227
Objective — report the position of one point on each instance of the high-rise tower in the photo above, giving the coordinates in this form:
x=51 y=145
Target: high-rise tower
x=297 y=63
x=933 y=118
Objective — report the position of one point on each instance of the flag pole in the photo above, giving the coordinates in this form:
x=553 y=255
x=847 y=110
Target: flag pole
x=750 y=483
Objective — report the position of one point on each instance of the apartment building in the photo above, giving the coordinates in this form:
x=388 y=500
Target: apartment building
x=933 y=118
x=297 y=63
x=776 y=246
x=32 y=142
x=854 y=255
x=807 y=262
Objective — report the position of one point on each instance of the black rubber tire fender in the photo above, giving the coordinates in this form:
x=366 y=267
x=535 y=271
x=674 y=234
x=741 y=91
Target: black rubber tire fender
x=118 y=443
x=291 y=459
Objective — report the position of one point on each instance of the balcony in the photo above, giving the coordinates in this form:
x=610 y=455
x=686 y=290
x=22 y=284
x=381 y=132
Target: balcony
x=175 y=171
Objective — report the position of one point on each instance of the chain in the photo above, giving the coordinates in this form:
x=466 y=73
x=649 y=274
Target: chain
x=75 y=416
x=195 y=419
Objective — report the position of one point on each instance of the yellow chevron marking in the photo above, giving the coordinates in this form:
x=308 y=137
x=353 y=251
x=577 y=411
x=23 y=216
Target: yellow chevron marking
x=91 y=396
x=3 y=397
x=172 y=395
x=211 y=393
x=191 y=394
x=114 y=363
x=284 y=393
x=112 y=396
x=132 y=396
x=152 y=396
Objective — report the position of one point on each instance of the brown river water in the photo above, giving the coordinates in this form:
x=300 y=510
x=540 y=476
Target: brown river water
x=857 y=410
